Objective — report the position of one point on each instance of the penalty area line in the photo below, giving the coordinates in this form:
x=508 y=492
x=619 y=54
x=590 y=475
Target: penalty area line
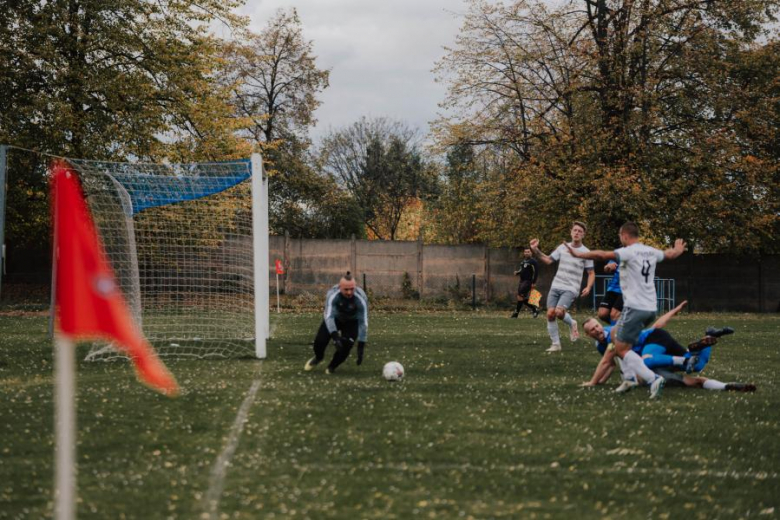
x=219 y=470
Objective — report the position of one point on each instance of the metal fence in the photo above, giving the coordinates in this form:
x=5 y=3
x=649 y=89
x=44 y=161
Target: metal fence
x=664 y=288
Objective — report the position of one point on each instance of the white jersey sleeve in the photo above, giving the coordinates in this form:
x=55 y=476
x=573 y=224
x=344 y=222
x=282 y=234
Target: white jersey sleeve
x=556 y=255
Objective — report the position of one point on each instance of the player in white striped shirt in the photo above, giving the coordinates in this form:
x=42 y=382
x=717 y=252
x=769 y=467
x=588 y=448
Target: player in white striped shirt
x=566 y=284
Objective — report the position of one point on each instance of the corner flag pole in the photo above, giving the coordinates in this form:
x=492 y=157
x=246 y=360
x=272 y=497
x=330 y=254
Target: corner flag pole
x=65 y=427
x=64 y=414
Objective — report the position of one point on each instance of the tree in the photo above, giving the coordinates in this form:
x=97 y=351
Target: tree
x=454 y=214
x=276 y=82
x=623 y=109
x=109 y=79
x=379 y=163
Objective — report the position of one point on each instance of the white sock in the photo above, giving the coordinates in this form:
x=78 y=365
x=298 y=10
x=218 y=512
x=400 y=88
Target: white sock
x=712 y=384
x=635 y=363
x=678 y=361
x=567 y=319
x=626 y=373
x=552 y=329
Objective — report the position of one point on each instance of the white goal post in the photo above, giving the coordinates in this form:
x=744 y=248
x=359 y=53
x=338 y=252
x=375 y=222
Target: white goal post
x=189 y=247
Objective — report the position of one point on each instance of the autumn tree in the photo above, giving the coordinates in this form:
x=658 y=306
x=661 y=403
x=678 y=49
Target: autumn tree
x=379 y=162
x=109 y=79
x=623 y=109
x=276 y=85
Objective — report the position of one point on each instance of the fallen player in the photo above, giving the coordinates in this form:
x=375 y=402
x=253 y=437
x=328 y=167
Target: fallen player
x=662 y=354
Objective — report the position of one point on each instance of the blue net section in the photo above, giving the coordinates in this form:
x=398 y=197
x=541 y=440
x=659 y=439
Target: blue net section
x=151 y=186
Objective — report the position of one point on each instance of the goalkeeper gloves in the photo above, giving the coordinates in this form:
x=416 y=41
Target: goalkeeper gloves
x=361 y=347
x=337 y=341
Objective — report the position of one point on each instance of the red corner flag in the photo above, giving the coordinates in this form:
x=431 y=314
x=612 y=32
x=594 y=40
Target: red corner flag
x=89 y=303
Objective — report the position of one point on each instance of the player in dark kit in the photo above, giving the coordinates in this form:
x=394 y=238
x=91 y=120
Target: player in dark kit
x=612 y=304
x=345 y=321
x=529 y=272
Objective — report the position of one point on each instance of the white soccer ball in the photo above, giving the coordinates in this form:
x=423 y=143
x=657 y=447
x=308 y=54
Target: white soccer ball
x=393 y=371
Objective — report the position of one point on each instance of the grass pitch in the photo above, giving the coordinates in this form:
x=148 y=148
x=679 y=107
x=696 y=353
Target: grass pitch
x=486 y=425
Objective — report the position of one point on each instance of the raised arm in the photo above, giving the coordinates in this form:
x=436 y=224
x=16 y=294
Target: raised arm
x=663 y=320
x=538 y=253
x=592 y=255
x=677 y=250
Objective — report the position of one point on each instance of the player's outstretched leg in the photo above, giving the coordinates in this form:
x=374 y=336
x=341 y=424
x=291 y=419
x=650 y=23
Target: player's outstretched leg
x=716 y=333
x=706 y=341
x=340 y=355
x=740 y=387
x=320 y=343
x=574 y=333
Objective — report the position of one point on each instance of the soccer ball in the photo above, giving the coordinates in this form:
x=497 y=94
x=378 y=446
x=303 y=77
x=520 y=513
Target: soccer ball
x=393 y=371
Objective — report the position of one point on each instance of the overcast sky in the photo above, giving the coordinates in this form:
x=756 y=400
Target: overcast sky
x=380 y=54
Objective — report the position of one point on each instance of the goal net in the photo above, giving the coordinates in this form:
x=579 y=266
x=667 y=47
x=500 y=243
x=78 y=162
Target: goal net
x=183 y=241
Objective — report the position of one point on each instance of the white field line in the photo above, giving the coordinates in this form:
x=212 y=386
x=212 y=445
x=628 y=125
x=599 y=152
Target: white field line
x=521 y=468
x=219 y=470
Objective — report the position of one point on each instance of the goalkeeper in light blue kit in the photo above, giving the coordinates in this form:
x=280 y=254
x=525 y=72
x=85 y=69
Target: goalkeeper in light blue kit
x=345 y=321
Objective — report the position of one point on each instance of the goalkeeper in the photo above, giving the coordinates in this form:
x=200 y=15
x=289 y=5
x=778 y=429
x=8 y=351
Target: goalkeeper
x=345 y=321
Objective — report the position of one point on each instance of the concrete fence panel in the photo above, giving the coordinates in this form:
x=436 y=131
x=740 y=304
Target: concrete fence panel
x=385 y=263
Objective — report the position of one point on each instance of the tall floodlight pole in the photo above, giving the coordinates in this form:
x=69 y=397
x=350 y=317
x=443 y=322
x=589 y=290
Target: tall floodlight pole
x=3 y=169
x=260 y=250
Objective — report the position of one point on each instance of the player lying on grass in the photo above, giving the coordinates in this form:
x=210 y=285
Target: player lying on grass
x=345 y=320
x=656 y=358
x=662 y=354
x=654 y=334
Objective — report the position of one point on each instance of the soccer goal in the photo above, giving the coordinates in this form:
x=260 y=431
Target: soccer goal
x=189 y=247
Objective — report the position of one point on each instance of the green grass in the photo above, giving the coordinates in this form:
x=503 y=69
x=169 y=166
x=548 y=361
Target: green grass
x=486 y=425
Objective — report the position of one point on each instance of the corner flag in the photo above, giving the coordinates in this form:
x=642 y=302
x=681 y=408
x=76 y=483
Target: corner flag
x=89 y=303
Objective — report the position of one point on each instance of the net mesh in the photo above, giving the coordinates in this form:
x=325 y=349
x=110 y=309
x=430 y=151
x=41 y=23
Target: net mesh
x=179 y=238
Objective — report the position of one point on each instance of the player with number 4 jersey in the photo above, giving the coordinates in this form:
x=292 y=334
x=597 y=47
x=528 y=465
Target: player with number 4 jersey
x=637 y=281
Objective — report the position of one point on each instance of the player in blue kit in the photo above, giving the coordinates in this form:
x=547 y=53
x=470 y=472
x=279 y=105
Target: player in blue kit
x=345 y=321
x=662 y=354
x=612 y=304
x=653 y=335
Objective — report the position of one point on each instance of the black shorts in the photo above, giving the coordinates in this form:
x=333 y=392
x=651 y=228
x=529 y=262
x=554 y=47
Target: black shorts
x=612 y=300
x=672 y=378
x=663 y=338
x=524 y=288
